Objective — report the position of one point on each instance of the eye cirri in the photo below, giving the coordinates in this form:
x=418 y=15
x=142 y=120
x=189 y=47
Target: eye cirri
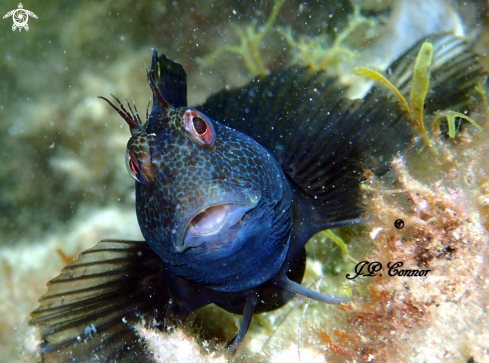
x=199 y=127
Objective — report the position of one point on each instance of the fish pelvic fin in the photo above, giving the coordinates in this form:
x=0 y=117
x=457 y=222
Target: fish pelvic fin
x=291 y=286
x=89 y=311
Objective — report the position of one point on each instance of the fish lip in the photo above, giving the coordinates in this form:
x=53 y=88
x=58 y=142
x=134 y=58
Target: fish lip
x=236 y=195
x=228 y=205
x=181 y=246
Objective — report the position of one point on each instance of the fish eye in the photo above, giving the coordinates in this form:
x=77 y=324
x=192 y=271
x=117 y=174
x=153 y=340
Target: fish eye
x=133 y=165
x=199 y=125
x=134 y=168
x=199 y=128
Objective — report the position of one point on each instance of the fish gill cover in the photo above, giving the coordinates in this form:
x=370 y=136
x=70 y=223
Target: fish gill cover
x=444 y=216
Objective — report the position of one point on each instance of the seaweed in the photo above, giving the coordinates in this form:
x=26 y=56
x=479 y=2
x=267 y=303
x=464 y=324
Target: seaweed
x=450 y=116
x=250 y=40
x=316 y=53
x=418 y=92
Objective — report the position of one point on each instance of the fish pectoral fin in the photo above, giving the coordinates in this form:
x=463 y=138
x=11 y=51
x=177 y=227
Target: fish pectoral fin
x=328 y=153
x=90 y=309
x=291 y=286
x=250 y=306
x=321 y=139
x=327 y=143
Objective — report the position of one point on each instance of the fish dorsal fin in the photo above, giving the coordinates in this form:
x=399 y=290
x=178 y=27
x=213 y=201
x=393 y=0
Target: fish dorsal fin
x=89 y=310
x=171 y=79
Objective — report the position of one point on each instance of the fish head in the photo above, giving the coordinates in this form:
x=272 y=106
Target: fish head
x=210 y=201
x=190 y=187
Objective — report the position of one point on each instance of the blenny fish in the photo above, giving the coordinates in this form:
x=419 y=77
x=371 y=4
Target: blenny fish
x=228 y=194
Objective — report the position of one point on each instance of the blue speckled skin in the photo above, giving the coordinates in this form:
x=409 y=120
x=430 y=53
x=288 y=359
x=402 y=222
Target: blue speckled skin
x=182 y=178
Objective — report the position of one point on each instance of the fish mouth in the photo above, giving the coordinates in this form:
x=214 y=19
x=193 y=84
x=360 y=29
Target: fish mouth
x=210 y=220
x=214 y=225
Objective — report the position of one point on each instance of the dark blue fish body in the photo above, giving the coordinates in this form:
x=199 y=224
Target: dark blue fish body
x=233 y=187
x=227 y=195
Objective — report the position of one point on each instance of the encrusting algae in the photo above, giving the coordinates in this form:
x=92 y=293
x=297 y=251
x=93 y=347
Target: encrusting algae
x=442 y=315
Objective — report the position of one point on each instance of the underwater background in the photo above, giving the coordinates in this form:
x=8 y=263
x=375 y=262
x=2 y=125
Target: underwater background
x=64 y=184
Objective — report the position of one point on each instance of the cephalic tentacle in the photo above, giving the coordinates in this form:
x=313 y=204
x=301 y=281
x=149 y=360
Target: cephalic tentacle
x=134 y=113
